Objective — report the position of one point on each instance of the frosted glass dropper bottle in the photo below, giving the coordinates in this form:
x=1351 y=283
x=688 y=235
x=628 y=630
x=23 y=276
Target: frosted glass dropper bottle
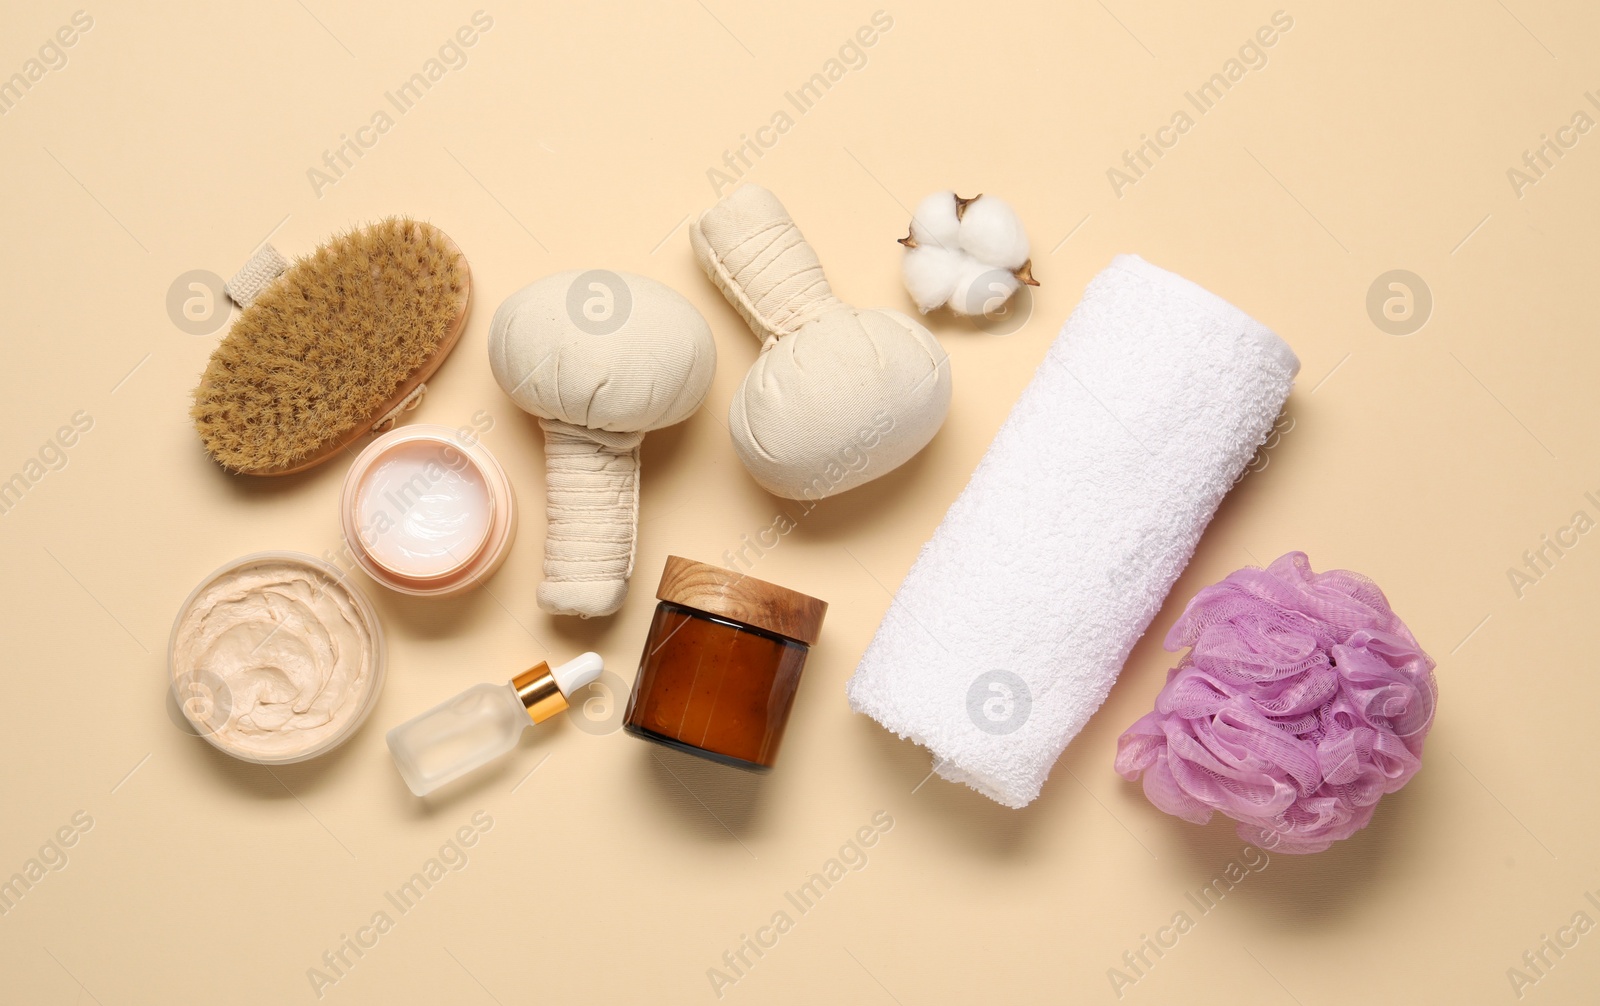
x=483 y=722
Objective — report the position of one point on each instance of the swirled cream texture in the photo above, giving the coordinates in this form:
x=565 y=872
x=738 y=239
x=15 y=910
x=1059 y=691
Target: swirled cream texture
x=288 y=652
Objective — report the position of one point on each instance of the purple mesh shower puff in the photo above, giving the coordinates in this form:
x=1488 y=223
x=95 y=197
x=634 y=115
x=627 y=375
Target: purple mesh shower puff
x=1302 y=700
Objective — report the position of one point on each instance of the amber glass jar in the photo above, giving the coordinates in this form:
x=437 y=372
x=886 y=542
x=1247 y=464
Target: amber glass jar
x=722 y=663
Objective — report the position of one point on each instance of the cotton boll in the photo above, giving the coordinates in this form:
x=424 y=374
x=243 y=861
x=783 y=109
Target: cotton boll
x=968 y=254
x=991 y=232
x=931 y=273
x=981 y=288
x=936 y=221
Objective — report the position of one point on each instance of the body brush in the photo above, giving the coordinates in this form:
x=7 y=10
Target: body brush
x=332 y=347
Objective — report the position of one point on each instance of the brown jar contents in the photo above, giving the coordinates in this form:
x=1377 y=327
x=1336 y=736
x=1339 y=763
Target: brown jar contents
x=721 y=664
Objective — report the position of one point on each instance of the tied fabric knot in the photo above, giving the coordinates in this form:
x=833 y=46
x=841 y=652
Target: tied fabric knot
x=593 y=502
x=776 y=303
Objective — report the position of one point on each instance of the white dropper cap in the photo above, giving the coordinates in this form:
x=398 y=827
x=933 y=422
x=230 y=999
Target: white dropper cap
x=577 y=672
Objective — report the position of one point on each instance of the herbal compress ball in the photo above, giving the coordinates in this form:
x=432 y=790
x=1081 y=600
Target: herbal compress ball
x=600 y=357
x=839 y=396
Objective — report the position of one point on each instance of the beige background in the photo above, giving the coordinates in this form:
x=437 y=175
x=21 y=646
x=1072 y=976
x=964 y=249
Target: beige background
x=1378 y=137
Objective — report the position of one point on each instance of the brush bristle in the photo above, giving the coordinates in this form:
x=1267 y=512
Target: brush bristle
x=328 y=343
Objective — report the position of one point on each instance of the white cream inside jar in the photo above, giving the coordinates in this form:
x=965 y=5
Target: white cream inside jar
x=428 y=511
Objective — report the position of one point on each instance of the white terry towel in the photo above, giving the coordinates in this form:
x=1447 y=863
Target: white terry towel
x=1014 y=622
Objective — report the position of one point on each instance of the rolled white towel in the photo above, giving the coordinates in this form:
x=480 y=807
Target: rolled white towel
x=1017 y=616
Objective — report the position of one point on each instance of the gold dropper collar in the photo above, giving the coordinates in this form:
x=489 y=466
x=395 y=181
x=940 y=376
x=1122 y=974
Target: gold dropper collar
x=540 y=694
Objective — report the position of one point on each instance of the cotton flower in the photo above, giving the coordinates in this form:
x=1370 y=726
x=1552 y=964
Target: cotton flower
x=968 y=254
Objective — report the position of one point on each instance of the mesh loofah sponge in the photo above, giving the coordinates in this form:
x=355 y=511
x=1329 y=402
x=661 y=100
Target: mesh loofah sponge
x=331 y=347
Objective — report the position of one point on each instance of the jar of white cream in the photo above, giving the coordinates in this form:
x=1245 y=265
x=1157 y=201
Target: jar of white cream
x=276 y=658
x=428 y=512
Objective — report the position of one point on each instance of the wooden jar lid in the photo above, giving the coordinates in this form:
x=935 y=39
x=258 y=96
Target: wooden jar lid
x=741 y=598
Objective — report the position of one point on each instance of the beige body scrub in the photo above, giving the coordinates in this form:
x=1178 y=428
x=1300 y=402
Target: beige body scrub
x=275 y=658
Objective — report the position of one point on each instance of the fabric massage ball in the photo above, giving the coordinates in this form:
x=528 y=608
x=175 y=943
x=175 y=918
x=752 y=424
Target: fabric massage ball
x=969 y=255
x=601 y=358
x=838 y=396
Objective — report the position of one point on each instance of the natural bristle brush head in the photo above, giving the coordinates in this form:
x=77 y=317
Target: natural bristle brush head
x=332 y=346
